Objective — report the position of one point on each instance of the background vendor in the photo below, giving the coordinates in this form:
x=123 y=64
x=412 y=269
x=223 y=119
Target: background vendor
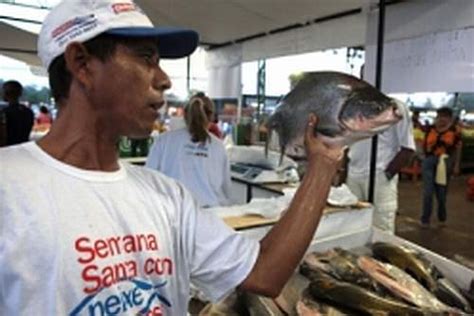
x=194 y=156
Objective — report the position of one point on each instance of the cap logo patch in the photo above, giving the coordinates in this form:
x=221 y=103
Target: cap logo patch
x=73 y=28
x=123 y=7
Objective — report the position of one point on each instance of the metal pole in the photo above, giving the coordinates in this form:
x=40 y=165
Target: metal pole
x=378 y=85
x=188 y=74
x=261 y=80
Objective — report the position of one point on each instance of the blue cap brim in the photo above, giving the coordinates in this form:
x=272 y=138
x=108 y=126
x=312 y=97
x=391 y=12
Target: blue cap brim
x=172 y=42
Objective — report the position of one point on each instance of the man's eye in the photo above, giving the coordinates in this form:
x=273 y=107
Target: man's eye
x=151 y=59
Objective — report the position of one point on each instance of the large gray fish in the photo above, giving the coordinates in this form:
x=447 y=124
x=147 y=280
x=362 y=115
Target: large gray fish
x=308 y=306
x=348 y=109
x=408 y=260
x=403 y=285
x=351 y=296
x=450 y=294
x=340 y=264
x=425 y=272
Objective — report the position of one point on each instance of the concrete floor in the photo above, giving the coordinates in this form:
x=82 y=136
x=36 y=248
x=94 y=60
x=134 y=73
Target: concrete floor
x=456 y=240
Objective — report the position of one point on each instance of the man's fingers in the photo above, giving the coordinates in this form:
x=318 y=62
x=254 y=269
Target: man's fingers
x=312 y=122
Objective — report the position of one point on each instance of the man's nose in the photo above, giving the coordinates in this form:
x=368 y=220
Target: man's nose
x=161 y=80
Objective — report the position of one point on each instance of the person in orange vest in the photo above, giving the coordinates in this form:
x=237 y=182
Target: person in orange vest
x=442 y=158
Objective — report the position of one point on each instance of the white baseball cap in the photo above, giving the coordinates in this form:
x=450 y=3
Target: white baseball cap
x=81 y=20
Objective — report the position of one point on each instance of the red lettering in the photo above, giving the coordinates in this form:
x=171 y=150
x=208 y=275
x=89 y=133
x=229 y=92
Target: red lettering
x=89 y=275
x=158 y=266
x=129 y=244
x=108 y=276
x=152 y=243
x=166 y=267
x=101 y=248
x=155 y=311
x=82 y=247
x=148 y=267
x=114 y=247
x=63 y=27
x=141 y=242
x=123 y=7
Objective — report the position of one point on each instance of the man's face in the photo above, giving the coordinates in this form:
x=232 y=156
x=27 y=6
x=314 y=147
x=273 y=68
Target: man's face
x=443 y=121
x=129 y=88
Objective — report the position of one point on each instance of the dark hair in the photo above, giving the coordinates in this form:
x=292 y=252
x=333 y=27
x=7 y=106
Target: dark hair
x=44 y=109
x=12 y=89
x=445 y=111
x=102 y=46
x=197 y=117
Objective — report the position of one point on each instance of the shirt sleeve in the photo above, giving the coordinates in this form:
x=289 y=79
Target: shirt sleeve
x=220 y=258
x=405 y=130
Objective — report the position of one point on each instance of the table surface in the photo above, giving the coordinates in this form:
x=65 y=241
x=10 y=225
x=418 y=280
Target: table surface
x=250 y=221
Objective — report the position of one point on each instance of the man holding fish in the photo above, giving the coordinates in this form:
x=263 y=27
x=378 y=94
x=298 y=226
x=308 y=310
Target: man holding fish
x=82 y=232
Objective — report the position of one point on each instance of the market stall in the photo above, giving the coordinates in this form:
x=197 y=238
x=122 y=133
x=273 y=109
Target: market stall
x=404 y=290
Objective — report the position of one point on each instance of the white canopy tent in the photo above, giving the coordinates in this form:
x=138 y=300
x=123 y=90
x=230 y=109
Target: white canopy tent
x=235 y=31
x=222 y=23
x=18 y=44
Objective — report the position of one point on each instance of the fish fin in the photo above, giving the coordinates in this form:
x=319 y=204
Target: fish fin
x=282 y=153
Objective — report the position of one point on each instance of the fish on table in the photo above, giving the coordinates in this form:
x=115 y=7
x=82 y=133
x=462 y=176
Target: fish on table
x=340 y=264
x=308 y=306
x=348 y=110
x=348 y=295
x=425 y=272
x=402 y=285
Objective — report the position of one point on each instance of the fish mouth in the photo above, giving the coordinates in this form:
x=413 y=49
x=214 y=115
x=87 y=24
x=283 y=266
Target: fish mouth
x=374 y=124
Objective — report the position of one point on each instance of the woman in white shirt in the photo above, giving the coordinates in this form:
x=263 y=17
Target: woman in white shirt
x=194 y=156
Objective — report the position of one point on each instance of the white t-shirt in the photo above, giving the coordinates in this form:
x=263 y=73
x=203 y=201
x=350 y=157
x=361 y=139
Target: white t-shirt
x=202 y=169
x=79 y=242
x=389 y=144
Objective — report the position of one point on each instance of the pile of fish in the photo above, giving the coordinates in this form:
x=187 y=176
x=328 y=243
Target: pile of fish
x=396 y=280
x=382 y=279
x=348 y=110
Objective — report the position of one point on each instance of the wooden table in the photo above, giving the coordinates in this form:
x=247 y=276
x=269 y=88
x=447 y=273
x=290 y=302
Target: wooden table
x=250 y=221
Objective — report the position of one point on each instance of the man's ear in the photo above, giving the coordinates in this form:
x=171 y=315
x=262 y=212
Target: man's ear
x=77 y=62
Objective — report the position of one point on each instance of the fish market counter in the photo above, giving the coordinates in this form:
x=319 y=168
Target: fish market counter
x=339 y=294
x=243 y=191
x=338 y=288
x=356 y=220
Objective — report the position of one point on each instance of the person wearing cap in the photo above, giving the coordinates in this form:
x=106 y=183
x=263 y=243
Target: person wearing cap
x=83 y=233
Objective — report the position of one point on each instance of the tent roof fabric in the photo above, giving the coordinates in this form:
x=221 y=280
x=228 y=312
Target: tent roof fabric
x=18 y=44
x=218 y=22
